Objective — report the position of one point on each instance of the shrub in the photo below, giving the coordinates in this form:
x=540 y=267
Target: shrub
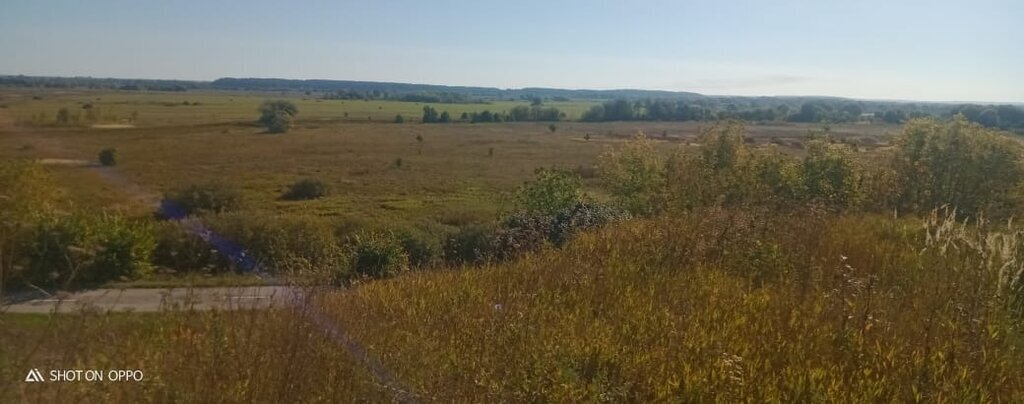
x=958 y=163
x=469 y=245
x=421 y=248
x=74 y=249
x=519 y=234
x=378 y=255
x=635 y=175
x=26 y=192
x=830 y=174
x=180 y=248
x=306 y=189
x=301 y=247
x=213 y=197
x=277 y=115
x=551 y=191
x=108 y=157
x=124 y=249
x=583 y=216
x=58 y=251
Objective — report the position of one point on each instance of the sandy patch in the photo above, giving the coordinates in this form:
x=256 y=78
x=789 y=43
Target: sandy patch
x=112 y=126
x=65 y=162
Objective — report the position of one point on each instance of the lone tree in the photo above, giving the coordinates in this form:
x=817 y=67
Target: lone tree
x=277 y=115
x=108 y=157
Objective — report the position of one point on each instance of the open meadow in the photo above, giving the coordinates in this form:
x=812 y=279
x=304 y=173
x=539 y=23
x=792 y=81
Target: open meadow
x=514 y=261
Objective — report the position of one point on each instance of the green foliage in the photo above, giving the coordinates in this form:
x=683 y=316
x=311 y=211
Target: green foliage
x=306 y=189
x=69 y=250
x=277 y=115
x=635 y=174
x=179 y=248
x=551 y=191
x=958 y=164
x=211 y=197
x=27 y=192
x=422 y=248
x=378 y=255
x=471 y=244
x=830 y=174
x=399 y=119
x=725 y=171
x=304 y=248
x=584 y=216
x=108 y=157
x=124 y=249
x=430 y=115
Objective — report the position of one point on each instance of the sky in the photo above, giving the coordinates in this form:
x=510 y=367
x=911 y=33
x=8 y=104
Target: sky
x=909 y=50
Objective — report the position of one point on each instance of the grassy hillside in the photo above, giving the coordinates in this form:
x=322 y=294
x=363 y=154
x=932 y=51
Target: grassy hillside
x=719 y=305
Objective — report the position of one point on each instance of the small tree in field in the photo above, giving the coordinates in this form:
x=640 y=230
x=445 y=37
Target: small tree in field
x=550 y=192
x=108 y=157
x=277 y=115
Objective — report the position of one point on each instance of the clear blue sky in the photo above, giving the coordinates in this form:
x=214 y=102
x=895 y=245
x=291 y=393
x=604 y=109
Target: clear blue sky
x=924 y=50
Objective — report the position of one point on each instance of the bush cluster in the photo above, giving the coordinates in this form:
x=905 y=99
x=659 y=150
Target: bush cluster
x=67 y=250
x=212 y=197
x=306 y=189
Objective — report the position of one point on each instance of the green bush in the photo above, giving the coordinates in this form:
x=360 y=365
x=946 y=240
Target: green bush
x=180 y=249
x=124 y=249
x=306 y=189
x=959 y=164
x=211 y=197
x=303 y=247
x=378 y=255
x=108 y=157
x=519 y=234
x=70 y=250
x=551 y=191
x=469 y=245
x=277 y=115
x=58 y=251
x=583 y=216
x=635 y=175
x=421 y=248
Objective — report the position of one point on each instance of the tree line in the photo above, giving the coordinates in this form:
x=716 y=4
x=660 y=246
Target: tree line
x=519 y=113
x=1007 y=117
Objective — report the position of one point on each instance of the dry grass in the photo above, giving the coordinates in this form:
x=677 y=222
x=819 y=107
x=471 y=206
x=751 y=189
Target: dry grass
x=727 y=307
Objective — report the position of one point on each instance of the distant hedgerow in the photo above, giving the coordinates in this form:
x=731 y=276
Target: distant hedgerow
x=306 y=189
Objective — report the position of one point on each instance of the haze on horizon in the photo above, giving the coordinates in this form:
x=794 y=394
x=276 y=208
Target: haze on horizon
x=909 y=50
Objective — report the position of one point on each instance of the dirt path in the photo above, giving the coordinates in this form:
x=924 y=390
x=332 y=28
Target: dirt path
x=153 y=300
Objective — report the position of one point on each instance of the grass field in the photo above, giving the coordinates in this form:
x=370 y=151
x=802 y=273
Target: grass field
x=753 y=302
x=188 y=108
x=457 y=167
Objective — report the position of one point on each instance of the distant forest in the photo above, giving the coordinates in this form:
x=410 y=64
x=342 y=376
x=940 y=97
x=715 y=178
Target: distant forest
x=616 y=105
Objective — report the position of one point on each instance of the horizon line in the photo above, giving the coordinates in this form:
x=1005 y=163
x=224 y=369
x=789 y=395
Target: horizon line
x=896 y=100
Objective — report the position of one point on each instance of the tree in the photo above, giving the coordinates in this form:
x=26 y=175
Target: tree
x=959 y=164
x=430 y=114
x=63 y=116
x=277 y=115
x=830 y=175
x=399 y=118
x=550 y=192
x=108 y=157
x=635 y=175
x=445 y=117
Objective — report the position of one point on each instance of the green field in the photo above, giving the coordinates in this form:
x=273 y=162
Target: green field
x=189 y=108
x=775 y=262
x=457 y=167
